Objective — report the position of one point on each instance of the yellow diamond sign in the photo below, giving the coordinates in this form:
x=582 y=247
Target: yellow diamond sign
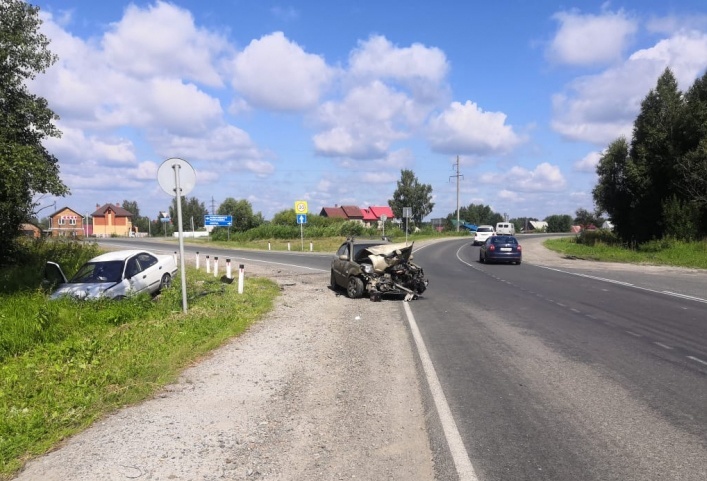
x=301 y=207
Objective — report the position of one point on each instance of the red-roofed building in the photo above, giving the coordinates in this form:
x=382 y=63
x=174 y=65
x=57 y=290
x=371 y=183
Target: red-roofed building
x=334 y=212
x=352 y=212
x=368 y=217
x=378 y=211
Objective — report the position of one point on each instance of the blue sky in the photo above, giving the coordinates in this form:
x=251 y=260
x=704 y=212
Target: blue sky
x=326 y=101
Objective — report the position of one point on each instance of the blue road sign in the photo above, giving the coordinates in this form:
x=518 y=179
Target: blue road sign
x=301 y=218
x=218 y=220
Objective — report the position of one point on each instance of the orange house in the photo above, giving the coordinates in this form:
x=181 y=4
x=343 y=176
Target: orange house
x=111 y=220
x=66 y=222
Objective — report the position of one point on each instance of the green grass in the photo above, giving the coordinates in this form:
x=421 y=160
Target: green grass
x=66 y=363
x=665 y=252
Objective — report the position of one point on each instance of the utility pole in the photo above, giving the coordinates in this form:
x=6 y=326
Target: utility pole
x=457 y=175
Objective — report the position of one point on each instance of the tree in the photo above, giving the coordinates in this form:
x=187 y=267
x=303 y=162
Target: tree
x=27 y=167
x=285 y=217
x=559 y=223
x=475 y=214
x=616 y=192
x=585 y=218
x=654 y=148
x=242 y=212
x=192 y=211
x=410 y=193
x=141 y=223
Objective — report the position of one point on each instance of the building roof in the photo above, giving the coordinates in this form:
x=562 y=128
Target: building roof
x=119 y=211
x=368 y=215
x=335 y=212
x=352 y=212
x=63 y=209
x=378 y=211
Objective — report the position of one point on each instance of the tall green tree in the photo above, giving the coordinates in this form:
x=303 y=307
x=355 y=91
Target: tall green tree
x=692 y=165
x=655 y=147
x=558 y=223
x=285 y=217
x=478 y=214
x=141 y=222
x=193 y=213
x=411 y=193
x=26 y=167
x=618 y=187
x=242 y=212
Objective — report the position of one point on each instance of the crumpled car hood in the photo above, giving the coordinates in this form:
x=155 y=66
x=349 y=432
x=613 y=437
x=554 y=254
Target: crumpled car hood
x=387 y=255
x=84 y=290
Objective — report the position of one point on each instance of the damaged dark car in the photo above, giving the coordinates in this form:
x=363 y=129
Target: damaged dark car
x=375 y=268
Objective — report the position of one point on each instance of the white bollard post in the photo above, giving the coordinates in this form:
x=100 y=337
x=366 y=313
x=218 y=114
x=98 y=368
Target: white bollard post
x=208 y=268
x=241 y=270
x=215 y=266
x=228 y=268
x=176 y=258
x=288 y=246
x=268 y=245
x=197 y=260
x=311 y=246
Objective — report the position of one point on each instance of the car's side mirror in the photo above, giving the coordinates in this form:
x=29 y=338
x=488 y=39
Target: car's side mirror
x=343 y=257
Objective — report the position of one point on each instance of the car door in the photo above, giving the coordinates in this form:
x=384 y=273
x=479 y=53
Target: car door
x=339 y=266
x=143 y=272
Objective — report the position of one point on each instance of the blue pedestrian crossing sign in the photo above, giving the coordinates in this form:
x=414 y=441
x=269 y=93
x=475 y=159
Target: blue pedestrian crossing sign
x=301 y=218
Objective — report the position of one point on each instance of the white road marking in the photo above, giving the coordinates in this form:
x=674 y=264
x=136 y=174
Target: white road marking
x=462 y=463
x=664 y=346
x=697 y=360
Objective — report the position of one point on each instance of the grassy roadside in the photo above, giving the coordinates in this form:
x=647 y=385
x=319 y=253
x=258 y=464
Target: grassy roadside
x=665 y=252
x=64 y=364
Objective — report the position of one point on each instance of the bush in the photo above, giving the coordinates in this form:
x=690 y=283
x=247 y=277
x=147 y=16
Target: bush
x=599 y=236
x=27 y=271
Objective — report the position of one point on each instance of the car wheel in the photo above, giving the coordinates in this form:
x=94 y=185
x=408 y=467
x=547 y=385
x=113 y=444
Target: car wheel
x=332 y=281
x=166 y=282
x=354 y=288
x=481 y=258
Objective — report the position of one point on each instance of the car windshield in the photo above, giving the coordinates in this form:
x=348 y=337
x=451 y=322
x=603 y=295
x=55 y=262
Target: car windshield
x=504 y=239
x=484 y=229
x=109 y=271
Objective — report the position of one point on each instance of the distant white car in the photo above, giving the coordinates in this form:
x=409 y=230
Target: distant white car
x=483 y=232
x=114 y=275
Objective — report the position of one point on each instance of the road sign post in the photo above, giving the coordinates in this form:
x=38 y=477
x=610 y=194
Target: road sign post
x=177 y=177
x=301 y=213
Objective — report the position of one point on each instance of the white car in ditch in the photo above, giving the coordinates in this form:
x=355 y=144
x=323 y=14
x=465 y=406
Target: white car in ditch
x=114 y=275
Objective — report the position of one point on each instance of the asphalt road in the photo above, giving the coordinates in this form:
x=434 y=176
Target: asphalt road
x=552 y=375
x=559 y=373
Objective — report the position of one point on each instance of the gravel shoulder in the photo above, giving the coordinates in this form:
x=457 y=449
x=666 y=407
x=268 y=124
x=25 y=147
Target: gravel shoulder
x=323 y=388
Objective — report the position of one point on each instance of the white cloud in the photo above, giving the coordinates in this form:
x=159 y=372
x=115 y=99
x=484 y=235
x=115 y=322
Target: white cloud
x=162 y=40
x=591 y=39
x=544 y=178
x=365 y=123
x=467 y=129
x=599 y=108
x=100 y=151
x=379 y=58
x=227 y=147
x=588 y=163
x=275 y=73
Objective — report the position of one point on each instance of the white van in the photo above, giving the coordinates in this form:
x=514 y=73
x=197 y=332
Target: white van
x=505 y=228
